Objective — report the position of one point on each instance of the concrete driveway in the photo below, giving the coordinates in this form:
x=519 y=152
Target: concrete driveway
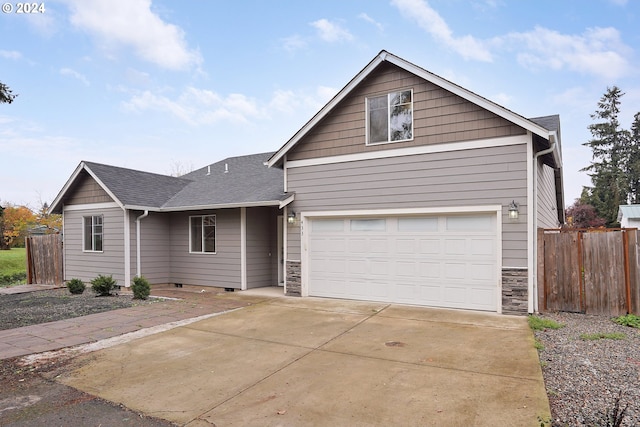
x=312 y=362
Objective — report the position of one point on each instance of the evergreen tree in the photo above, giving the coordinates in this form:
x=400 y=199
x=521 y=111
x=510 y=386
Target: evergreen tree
x=610 y=147
x=633 y=166
x=6 y=96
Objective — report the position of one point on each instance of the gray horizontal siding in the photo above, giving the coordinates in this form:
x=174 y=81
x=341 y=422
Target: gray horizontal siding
x=87 y=265
x=546 y=195
x=486 y=176
x=155 y=249
x=221 y=269
x=262 y=256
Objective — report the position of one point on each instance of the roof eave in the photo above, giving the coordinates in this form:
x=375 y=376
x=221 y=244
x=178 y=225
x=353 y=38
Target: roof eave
x=220 y=206
x=421 y=72
x=56 y=205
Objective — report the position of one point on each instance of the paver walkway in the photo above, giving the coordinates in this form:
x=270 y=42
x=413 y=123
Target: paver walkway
x=186 y=303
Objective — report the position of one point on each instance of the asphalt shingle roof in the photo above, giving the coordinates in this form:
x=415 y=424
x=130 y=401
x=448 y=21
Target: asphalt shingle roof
x=233 y=181
x=138 y=188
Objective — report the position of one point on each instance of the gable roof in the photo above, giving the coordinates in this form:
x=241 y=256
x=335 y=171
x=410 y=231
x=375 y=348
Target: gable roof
x=246 y=182
x=384 y=56
x=628 y=211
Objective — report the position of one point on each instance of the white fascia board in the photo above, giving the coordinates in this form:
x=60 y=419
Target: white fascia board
x=421 y=72
x=104 y=187
x=221 y=206
x=65 y=188
x=327 y=108
x=469 y=96
x=411 y=151
x=287 y=201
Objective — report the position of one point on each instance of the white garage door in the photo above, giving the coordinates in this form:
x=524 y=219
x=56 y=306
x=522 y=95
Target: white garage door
x=439 y=261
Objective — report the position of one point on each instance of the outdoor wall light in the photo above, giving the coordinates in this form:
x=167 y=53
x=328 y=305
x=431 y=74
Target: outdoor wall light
x=291 y=217
x=513 y=210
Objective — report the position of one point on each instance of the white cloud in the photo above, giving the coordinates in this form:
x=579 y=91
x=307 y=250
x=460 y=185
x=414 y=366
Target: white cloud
x=597 y=51
x=331 y=32
x=198 y=106
x=76 y=75
x=132 y=23
x=429 y=20
x=10 y=54
x=290 y=102
x=372 y=21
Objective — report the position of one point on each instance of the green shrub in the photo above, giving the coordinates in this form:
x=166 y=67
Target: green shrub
x=12 y=279
x=103 y=285
x=76 y=286
x=628 y=320
x=140 y=287
x=538 y=324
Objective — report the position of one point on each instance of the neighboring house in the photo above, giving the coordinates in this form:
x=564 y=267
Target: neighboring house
x=398 y=190
x=629 y=216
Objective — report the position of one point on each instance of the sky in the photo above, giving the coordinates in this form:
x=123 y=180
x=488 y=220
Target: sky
x=171 y=86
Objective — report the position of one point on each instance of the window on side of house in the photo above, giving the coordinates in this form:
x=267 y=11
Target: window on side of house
x=92 y=233
x=202 y=234
x=390 y=117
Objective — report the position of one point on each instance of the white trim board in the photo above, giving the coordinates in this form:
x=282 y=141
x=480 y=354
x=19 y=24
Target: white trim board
x=91 y=206
x=411 y=151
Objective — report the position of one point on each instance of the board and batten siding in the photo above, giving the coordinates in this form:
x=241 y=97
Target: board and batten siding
x=221 y=269
x=87 y=265
x=546 y=195
x=155 y=246
x=473 y=177
x=262 y=256
x=439 y=117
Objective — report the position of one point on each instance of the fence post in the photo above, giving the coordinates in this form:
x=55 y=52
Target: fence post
x=542 y=297
x=29 y=261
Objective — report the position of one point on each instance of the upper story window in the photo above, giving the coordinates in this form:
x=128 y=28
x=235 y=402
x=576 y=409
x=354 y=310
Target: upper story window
x=390 y=117
x=202 y=236
x=93 y=233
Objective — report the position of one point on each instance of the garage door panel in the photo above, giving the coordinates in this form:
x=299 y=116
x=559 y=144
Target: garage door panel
x=430 y=270
x=406 y=246
x=455 y=246
x=430 y=246
x=443 y=261
x=454 y=270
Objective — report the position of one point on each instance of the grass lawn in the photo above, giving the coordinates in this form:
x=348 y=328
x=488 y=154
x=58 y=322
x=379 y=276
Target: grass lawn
x=13 y=266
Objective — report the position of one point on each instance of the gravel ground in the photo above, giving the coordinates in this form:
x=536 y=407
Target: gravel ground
x=32 y=308
x=583 y=378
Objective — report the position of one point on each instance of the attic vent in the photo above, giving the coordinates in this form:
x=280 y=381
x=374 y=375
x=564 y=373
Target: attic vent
x=209 y=170
x=226 y=168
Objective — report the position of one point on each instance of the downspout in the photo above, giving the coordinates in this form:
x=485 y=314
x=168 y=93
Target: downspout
x=535 y=215
x=138 y=262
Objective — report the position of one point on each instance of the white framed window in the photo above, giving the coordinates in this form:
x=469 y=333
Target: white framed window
x=390 y=117
x=202 y=234
x=93 y=233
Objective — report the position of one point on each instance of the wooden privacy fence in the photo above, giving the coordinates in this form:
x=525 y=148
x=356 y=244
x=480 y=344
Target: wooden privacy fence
x=44 y=259
x=589 y=271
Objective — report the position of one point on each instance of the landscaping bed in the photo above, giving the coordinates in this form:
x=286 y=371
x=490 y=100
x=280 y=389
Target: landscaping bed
x=588 y=365
x=32 y=308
